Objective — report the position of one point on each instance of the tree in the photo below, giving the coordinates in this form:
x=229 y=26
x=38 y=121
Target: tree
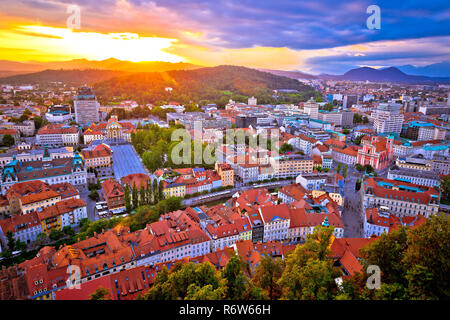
x=149 y=192
x=358 y=139
x=267 y=274
x=142 y=196
x=235 y=278
x=344 y=171
x=100 y=294
x=134 y=196
x=339 y=167
x=346 y=131
x=55 y=234
x=160 y=190
x=8 y=140
x=155 y=191
x=286 y=147
x=445 y=189
x=309 y=273
x=426 y=258
x=68 y=231
x=127 y=197
x=93 y=195
x=11 y=241
x=387 y=253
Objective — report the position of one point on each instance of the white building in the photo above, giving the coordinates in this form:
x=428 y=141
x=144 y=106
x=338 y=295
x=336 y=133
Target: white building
x=387 y=118
x=276 y=221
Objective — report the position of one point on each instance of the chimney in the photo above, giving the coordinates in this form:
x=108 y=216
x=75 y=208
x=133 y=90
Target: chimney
x=95 y=234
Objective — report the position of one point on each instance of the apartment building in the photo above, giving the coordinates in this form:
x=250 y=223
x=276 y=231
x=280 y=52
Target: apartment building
x=420 y=177
x=387 y=118
x=86 y=107
x=276 y=221
x=401 y=198
x=57 y=135
x=63 y=213
x=291 y=165
x=113 y=193
x=99 y=158
x=23 y=227
x=226 y=173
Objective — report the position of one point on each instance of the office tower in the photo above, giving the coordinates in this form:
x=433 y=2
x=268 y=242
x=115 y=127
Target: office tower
x=387 y=118
x=86 y=107
x=311 y=108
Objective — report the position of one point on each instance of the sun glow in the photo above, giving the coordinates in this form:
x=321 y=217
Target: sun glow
x=99 y=46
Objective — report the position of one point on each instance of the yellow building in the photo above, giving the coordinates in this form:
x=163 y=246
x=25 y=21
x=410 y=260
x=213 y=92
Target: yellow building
x=335 y=196
x=291 y=165
x=50 y=222
x=226 y=173
x=41 y=200
x=174 y=190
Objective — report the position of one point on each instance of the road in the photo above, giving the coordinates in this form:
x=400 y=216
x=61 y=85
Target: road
x=351 y=213
x=90 y=205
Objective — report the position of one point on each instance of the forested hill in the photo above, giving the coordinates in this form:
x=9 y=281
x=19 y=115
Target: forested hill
x=215 y=85
x=71 y=77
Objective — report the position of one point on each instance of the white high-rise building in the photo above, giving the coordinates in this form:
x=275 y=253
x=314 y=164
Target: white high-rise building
x=311 y=108
x=387 y=117
x=252 y=101
x=86 y=107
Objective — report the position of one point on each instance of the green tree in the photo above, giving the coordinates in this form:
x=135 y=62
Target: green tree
x=127 y=197
x=358 y=139
x=155 y=191
x=100 y=294
x=339 y=167
x=160 y=190
x=8 y=140
x=344 y=171
x=427 y=260
x=235 y=279
x=55 y=234
x=142 y=196
x=149 y=193
x=309 y=274
x=134 y=196
x=94 y=195
x=267 y=274
x=387 y=253
x=286 y=147
x=445 y=189
x=68 y=231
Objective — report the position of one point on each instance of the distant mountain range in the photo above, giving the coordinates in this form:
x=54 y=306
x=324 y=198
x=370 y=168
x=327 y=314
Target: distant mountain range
x=390 y=74
x=12 y=67
x=441 y=69
x=38 y=72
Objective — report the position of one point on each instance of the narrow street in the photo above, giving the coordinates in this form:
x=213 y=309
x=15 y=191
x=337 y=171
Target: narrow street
x=351 y=213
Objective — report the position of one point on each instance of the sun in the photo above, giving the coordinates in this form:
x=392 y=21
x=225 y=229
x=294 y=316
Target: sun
x=99 y=46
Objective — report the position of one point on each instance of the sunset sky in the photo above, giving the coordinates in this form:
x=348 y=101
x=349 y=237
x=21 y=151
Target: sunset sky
x=311 y=36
